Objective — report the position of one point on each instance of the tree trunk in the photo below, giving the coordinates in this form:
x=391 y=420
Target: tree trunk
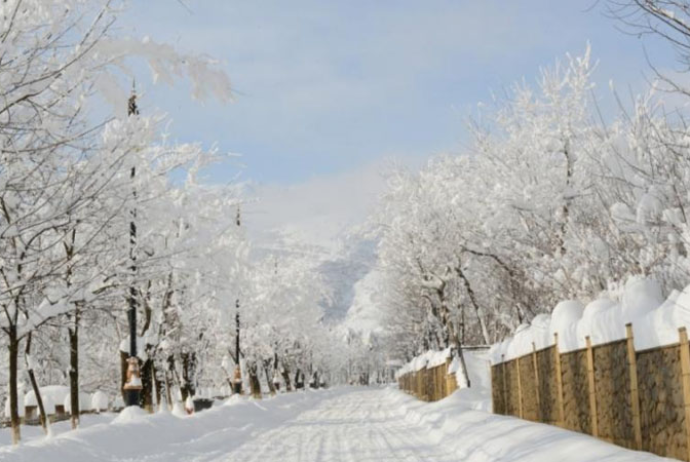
x=286 y=378
x=147 y=391
x=13 y=349
x=299 y=380
x=269 y=381
x=34 y=385
x=456 y=345
x=74 y=372
x=254 y=383
x=475 y=305
x=188 y=366
x=168 y=394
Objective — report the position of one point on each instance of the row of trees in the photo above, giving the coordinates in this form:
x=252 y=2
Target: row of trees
x=100 y=213
x=552 y=201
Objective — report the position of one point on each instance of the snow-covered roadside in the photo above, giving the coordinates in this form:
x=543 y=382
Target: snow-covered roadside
x=344 y=424
x=164 y=436
x=463 y=423
x=479 y=436
x=35 y=432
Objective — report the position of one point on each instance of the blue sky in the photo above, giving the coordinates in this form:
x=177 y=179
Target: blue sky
x=324 y=87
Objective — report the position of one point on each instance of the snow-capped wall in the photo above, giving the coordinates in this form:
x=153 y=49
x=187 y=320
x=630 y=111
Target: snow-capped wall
x=427 y=359
x=655 y=321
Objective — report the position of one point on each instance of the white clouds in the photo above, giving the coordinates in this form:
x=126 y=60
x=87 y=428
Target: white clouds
x=317 y=214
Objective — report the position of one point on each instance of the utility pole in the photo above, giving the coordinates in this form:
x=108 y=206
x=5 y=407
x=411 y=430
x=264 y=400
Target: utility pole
x=237 y=379
x=133 y=385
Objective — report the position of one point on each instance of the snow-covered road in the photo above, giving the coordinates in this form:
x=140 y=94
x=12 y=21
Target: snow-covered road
x=339 y=425
x=354 y=427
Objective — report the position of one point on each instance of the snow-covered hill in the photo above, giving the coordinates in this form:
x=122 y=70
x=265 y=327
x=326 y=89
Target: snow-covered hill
x=324 y=220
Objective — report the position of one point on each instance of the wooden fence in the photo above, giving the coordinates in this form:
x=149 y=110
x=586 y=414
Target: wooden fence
x=636 y=399
x=429 y=384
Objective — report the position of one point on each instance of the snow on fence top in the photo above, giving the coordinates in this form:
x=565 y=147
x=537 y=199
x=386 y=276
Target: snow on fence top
x=51 y=395
x=655 y=321
x=427 y=359
x=58 y=395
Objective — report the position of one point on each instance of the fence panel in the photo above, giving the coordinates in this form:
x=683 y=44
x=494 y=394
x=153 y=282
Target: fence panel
x=635 y=399
x=512 y=395
x=576 y=391
x=528 y=388
x=612 y=390
x=662 y=415
x=548 y=386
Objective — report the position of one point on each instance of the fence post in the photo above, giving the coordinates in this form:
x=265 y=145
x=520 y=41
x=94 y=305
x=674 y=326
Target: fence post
x=517 y=368
x=559 y=382
x=505 y=386
x=592 y=391
x=634 y=390
x=536 y=380
x=493 y=387
x=685 y=375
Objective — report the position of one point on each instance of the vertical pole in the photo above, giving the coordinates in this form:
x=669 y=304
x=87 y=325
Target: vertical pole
x=237 y=332
x=237 y=376
x=592 y=391
x=634 y=390
x=133 y=385
x=559 y=382
x=685 y=376
x=536 y=380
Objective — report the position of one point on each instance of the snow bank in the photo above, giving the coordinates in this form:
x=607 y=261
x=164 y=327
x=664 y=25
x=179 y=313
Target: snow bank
x=52 y=396
x=478 y=371
x=84 y=402
x=99 y=401
x=468 y=433
x=162 y=436
x=655 y=321
x=118 y=402
x=130 y=414
x=428 y=359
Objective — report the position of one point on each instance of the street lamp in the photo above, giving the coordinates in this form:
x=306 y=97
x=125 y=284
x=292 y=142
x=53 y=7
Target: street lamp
x=133 y=386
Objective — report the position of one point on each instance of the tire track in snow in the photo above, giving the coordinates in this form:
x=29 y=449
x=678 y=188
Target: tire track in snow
x=355 y=427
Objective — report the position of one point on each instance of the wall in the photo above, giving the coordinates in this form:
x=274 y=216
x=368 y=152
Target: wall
x=636 y=399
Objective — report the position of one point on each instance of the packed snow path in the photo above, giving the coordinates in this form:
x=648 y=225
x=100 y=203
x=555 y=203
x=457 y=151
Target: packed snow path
x=339 y=425
x=355 y=427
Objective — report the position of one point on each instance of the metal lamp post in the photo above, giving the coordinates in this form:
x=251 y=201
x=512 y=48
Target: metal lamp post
x=237 y=376
x=133 y=386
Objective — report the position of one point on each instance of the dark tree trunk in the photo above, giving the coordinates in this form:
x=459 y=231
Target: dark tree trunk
x=147 y=371
x=269 y=380
x=34 y=385
x=13 y=349
x=286 y=377
x=74 y=371
x=188 y=371
x=299 y=380
x=254 y=383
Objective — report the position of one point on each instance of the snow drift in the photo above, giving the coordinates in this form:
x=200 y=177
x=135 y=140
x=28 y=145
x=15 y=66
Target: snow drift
x=655 y=321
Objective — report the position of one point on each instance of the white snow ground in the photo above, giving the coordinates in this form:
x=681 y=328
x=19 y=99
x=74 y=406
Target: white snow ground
x=342 y=424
